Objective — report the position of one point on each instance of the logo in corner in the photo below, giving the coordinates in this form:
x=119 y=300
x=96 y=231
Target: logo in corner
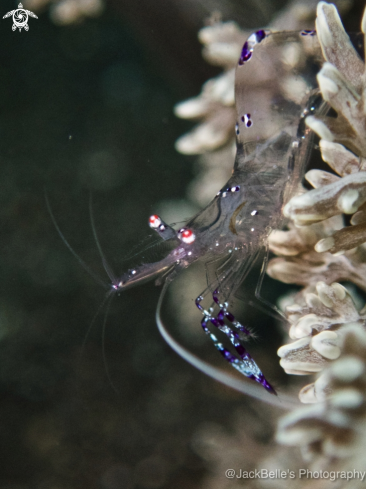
x=20 y=18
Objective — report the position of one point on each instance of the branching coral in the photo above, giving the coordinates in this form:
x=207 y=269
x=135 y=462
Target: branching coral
x=328 y=329
x=342 y=81
x=334 y=429
x=318 y=320
x=318 y=325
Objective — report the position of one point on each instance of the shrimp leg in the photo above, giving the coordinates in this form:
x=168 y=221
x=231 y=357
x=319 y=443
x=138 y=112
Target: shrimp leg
x=245 y=363
x=276 y=313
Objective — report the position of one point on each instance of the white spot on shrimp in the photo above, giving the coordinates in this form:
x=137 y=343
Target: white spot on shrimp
x=247 y=120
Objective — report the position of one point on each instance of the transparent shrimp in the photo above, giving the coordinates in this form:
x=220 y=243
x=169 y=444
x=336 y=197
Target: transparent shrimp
x=273 y=146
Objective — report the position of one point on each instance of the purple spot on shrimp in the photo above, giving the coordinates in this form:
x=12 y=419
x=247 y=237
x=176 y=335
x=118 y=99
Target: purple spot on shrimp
x=308 y=33
x=204 y=325
x=261 y=34
x=237 y=129
x=248 y=46
x=230 y=316
x=197 y=302
x=264 y=382
x=228 y=355
x=247 y=120
x=241 y=350
x=246 y=54
x=215 y=322
x=214 y=296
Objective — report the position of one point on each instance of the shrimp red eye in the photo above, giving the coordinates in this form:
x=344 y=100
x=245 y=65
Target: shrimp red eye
x=186 y=235
x=154 y=221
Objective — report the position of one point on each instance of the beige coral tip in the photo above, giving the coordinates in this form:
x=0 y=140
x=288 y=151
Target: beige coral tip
x=319 y=178
x=307 y=394
x=348 y=368
x=191 y=108
x=346 y=202
x=324 y=245
x=363 y=22
x=358 y=218
x=347 y=398
x=319 y=127
x=305 y=325
x=322 y=24
x=324 y=344
x=325 y=294
x=313 y=301
x=205 y=137
x=294 y=308
x=339 y=290
x=285 y=349
x=327 y=85
x=298 y=436
x=342 y=161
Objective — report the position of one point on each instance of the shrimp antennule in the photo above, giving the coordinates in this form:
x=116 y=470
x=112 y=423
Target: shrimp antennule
x=71 y=249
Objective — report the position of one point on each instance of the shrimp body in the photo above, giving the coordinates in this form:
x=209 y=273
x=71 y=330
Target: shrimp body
x=273 y=96
x=237 y=220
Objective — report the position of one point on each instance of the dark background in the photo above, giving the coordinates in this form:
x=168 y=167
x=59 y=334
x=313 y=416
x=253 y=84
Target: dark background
x=89 y=107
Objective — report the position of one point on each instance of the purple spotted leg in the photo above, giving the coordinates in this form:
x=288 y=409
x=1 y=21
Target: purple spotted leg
x=223 y=312
x=245 y=365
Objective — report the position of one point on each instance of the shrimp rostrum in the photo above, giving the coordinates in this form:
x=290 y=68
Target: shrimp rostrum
x=273 y=145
